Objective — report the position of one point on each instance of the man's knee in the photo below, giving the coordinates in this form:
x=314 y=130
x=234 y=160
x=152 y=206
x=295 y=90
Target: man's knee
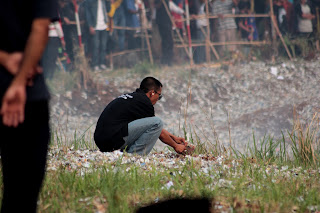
x=158 y=123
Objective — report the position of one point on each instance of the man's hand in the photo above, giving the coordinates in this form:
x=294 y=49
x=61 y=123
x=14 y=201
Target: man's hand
x=179 y=148
x=179 y=140
x=13 y=104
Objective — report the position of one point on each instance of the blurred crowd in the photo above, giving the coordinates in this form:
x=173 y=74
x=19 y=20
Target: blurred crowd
x=103 y=26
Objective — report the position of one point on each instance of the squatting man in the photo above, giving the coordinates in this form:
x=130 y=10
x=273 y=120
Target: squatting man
x=128 y=122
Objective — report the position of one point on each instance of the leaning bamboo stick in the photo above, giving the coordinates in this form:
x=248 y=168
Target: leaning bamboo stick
x=228 y=16
x=257 y=43
x=174 y=25
x=125 y=52
x=210 y=44
x=129 y=28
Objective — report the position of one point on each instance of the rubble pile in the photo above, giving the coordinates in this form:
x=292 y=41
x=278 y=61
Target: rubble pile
x=211 y=103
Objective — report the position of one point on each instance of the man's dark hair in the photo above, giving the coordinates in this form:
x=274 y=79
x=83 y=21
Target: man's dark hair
x=150 y=83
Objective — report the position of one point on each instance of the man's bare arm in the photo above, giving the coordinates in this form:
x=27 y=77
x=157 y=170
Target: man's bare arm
x=169 y=139
x=14 y=100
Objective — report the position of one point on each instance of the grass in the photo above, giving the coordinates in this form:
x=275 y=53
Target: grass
x=271 y=176
x=239 y=185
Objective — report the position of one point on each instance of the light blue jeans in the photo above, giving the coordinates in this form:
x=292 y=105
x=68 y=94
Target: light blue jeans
x=142 y=135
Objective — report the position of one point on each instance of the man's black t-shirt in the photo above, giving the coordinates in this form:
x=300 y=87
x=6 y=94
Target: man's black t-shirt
x=16 y=17
x=112 y=125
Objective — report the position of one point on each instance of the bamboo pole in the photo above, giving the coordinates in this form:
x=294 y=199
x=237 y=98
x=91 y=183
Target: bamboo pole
x=275 y=25
x=228 y=16
x=188 y=27
x=318 y=28
x=273 y=34
x=143 y=28
x=211 y=46
x=149 y=46
x=257 y=43
x=208 y=56
x=174 y=25
x=126 y=52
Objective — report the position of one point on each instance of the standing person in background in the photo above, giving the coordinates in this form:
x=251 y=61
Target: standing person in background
x=67 y=11
x=165 y=29
x=85 y=34
x=226 y=27
x=305 y=15
x=96 y=14
x=119 y=19
x=24 y=121
x=131 y=13
x=50 y=55
x=201 y=24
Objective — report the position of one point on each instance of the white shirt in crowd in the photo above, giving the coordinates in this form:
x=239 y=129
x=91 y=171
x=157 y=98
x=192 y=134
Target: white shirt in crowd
x=101 y=25
x=305 y=25
x=202 y=22
x=55 y=30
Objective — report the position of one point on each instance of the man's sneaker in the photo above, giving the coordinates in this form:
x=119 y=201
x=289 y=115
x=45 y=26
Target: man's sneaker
x=96 y=68
x=103 y=67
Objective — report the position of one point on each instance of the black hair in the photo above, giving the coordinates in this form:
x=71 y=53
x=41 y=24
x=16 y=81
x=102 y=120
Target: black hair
x=244 y=5
x=150 y=83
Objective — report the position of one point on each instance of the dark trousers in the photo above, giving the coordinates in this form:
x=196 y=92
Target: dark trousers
x=50 y=56
x=23 y=157
x=165 y=31
x=99 y=51
x=199 y=55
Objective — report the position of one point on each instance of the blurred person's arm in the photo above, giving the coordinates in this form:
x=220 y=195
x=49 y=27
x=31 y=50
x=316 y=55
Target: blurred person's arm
x=174 y=8
x=14 y=100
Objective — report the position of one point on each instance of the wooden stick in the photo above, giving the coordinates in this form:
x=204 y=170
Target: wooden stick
x=318 y=19
x=147 y=37
x=175 y=27
x=279 y=33
x=125 y=52
x=129 y=28
x=257 y=43
x=149 y=46
x=208 y=56
x=211 y=46
x=228 y=16
x=273 y=35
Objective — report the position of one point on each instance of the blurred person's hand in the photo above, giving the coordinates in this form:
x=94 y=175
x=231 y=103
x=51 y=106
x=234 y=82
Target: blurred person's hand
x=63 y=44
x=66 y=20
x=13 y=103
x=13 y=62
x=92 y=30
x=221 y=16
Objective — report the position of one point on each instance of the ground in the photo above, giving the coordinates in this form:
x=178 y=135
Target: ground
x=214 y=103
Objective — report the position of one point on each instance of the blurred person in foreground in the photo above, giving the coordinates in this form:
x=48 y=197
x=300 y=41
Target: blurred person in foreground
x=24 y=121
x=128 y=123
